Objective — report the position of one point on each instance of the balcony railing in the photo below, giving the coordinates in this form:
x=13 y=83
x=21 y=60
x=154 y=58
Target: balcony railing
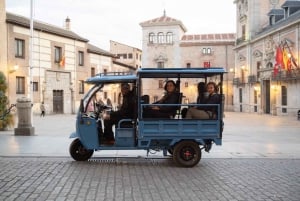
x=238 y=81
x=294 y=74
x=252 y=79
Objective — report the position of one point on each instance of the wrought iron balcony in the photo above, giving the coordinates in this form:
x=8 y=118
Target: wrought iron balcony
x=294 y=74
x=252 y=79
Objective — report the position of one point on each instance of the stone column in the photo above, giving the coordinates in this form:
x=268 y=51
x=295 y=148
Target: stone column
x=24 y=117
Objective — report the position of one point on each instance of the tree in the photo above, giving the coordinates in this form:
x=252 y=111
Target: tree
x=6 y=120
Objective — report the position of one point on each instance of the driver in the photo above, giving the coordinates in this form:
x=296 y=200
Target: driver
x=125 y=112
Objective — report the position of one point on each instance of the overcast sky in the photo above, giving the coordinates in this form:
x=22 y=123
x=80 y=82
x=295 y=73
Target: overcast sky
x=102 y=20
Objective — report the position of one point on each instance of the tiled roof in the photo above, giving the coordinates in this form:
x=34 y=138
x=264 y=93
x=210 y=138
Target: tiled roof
x=294 y=18
x=204 y=38
x=97 y=50
x=25 y=22
x=163 y=21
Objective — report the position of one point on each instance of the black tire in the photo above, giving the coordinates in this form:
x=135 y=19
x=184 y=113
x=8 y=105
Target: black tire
x=78 y=152
x=187 y=154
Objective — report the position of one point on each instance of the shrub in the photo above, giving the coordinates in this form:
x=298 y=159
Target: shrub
x=6 y=120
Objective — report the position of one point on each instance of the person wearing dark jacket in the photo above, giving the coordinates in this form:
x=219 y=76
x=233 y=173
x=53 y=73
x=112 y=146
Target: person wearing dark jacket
x=206 y=112
x=171 y=97
x=126 y=111
x=200 y=99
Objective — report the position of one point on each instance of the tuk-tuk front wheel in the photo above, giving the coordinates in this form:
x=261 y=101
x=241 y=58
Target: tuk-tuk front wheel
x=187 y=154
x=79 y=152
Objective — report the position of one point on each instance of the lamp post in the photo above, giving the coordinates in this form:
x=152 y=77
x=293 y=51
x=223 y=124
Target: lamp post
x=231 y=76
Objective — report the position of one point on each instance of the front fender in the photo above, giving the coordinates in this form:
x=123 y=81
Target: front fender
x=74 y=135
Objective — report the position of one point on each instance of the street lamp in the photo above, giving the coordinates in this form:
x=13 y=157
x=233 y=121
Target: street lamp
x=13 y=69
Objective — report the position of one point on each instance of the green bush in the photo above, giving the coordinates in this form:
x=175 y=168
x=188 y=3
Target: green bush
x=5 y=120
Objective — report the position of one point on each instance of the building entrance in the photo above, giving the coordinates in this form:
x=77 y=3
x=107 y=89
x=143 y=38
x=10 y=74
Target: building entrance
x=58 y=101
x=267 y=101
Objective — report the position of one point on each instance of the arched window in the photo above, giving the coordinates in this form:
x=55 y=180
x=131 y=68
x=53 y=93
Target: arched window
x=151 y=38
x=208 y=51
x=160 y=37
x=169 y=38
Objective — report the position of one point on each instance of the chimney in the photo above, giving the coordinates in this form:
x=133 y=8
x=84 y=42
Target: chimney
x=68 y=24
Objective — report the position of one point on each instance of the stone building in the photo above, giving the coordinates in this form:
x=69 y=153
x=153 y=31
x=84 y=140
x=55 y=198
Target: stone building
x=267 y=73
x=126 y=54
x=61 y=62
x=166 y=44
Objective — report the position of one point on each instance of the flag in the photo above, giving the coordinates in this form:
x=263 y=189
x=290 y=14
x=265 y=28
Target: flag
x=275 y=69
x=285 y=59
x=279 y=57
x=62 y=62
x=279 y=60
x=289 y=65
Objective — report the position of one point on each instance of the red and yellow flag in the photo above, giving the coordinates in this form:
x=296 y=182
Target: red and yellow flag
x=279 y=60
x=62 y=62
x=285 y=59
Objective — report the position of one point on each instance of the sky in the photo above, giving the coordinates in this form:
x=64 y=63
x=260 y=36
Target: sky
x=100 y=21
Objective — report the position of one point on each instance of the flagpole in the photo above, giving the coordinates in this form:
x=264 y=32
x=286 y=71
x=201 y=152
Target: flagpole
x=30 y=86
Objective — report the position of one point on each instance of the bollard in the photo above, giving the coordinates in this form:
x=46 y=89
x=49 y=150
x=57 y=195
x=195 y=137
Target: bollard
x=24 y=117
x=299 y=115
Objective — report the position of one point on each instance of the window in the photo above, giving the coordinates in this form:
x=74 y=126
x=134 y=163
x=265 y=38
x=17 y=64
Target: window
x=188 y=65
x=169 y=38
x=243 y=32
x=208 y=51
x=104 y=71
x=19 y=48
x=57 y=54
x=160 y=64
x=81 y=87
x=258 y=65
x=136 y=56
x=93 y=72
x=151 y=38
x=20 y=85
x=130 y=56
x=124 y=56
x=160 y=84
x=160 y=38
x=80 y=58
x=35 y=86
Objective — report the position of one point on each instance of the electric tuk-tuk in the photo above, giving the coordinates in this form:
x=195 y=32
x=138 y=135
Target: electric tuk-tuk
x=181 y=138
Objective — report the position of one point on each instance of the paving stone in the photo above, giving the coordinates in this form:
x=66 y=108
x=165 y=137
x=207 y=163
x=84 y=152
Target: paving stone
x=212 y=179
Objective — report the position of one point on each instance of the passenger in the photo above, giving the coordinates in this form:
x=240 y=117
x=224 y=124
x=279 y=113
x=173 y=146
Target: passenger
x=200 y=99
x=126 y=111
x=208 y=112
x=171 y=97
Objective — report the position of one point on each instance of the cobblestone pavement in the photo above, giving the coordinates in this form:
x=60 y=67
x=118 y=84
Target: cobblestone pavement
x=149 y=179
x=259 y=160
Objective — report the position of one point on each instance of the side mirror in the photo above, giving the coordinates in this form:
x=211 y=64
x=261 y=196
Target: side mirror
x=81 y=108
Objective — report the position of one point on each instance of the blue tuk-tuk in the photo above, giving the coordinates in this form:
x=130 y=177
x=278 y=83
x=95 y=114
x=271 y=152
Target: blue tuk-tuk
x=178 y=137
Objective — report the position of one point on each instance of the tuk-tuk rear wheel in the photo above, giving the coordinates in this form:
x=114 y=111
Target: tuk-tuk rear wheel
x=79 y=152
x=187 y=153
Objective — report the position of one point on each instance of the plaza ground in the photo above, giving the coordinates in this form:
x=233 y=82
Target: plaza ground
x=259 y=160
